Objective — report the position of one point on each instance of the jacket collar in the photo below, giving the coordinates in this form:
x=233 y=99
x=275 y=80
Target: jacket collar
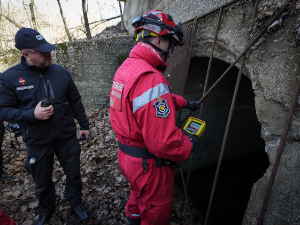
x=33 y=67
x=146 y=52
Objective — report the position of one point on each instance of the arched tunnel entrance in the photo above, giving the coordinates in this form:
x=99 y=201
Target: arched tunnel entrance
x=244 y=160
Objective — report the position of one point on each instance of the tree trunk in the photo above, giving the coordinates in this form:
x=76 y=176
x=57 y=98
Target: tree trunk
x=86 y=21
x=122 y=22
x=1 y=42
x=63 y=18
x=29 y=20
x=31 y=5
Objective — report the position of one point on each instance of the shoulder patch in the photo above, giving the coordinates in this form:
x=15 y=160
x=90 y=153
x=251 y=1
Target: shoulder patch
x=162 y=109
x=116 y=95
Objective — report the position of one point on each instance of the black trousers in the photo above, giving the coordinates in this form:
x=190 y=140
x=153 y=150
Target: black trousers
x=2 y=130
x=68 y=154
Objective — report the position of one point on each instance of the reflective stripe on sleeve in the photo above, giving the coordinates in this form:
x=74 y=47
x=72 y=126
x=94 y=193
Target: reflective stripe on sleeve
x=134 y=215
x=149 y=95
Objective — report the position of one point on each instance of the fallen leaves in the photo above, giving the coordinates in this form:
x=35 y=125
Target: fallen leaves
x=105 y=189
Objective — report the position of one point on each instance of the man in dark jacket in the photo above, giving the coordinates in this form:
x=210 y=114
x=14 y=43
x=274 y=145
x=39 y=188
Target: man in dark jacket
x=2 y=130
x=43 y=99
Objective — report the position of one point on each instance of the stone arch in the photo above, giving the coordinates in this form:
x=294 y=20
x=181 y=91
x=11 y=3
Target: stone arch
x=244 y=161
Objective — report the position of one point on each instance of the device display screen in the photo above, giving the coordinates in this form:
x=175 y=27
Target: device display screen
x=193 y=127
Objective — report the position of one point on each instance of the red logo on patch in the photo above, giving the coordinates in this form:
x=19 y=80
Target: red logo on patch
x=22 y=81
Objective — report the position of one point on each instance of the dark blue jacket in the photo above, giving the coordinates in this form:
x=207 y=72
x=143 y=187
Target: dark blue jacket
x=22 y=87
x=2 y=129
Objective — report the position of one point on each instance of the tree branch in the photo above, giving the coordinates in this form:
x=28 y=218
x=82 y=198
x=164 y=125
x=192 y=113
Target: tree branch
x=12 y=21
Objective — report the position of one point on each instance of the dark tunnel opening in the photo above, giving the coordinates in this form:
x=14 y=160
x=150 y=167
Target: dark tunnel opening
x=244 y=160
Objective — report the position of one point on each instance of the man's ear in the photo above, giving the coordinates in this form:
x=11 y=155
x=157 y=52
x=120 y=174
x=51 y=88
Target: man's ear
x=25 y=54
x=158 y=40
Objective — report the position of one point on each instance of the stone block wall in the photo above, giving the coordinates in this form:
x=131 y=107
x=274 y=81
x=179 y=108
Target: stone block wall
x=180 y=10
x=92 y=65
x=273 y=69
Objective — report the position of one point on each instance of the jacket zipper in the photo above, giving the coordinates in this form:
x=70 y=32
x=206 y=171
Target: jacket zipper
x=42 y=77
x=151 y=206
x=44 y=83
x=51 y=91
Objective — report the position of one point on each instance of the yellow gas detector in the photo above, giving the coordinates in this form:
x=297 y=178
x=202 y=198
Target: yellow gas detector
x=195 y=126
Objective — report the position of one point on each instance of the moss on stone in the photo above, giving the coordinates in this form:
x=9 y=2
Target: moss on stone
x=63 y=46
x=10 y=57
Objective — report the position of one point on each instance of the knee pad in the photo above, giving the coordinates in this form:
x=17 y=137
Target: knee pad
x=131 y=221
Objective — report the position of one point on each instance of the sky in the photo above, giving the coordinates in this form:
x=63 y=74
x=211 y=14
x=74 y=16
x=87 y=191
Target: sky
x=97 y=9
x=49 y=21
x=72 y=10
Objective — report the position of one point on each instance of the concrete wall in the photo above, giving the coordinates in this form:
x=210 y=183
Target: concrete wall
x=93 y=65
x=273 y=69
x=178 y=9
x=9 y=58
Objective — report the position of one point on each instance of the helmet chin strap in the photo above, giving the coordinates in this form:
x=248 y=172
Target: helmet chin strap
x=163 y=52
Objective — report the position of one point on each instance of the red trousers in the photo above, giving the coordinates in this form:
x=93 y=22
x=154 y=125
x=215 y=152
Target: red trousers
x=5 y=219
x=152 y=192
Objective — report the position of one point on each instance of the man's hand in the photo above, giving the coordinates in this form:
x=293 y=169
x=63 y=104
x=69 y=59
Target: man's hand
x=192 y=105
x=193 y=140
x=43 y=113
x=85 y=133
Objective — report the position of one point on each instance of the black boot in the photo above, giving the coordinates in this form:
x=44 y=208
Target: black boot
x=131 y=221
x=45 y=215
x=81 y=211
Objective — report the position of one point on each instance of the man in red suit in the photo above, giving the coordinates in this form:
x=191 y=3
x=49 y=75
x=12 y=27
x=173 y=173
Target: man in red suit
x=142 y=114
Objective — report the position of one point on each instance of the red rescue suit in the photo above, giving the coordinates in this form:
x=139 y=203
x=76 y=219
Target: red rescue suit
x=142 y=114
x=5 y=219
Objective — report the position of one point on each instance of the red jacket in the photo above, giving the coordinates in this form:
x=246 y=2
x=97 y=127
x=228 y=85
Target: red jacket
x=5 y=219
x=142 y=109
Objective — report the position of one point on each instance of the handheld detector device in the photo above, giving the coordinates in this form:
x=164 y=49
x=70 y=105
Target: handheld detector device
x=195 y=126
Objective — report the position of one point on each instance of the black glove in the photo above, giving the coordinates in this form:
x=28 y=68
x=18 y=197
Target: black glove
x=192 y=105
x=193 y=140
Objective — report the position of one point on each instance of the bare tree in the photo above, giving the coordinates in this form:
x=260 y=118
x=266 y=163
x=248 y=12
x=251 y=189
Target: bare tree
x=29 y=20
x=86 y=21
x=31 y=5
x=12 y=21
x=63 y=18
x=99 y=9
x=122 y=22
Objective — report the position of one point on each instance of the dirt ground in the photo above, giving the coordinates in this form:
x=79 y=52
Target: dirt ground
x=105 y=189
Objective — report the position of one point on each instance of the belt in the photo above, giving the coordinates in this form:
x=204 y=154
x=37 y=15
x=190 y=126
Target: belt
x=136 y=151
x=141 y=153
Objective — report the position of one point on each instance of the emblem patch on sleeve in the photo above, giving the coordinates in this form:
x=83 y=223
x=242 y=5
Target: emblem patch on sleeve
x=162 y=109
